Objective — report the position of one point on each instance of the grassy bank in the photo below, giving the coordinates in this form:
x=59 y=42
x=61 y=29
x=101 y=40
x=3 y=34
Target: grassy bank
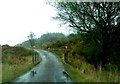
x=81 y=71
x=15 y=62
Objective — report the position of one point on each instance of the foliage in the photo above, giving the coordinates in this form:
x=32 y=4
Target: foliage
x=84 y=45
x=87 y=16
x=81 y=71
x=95 y=23
x=50 y=38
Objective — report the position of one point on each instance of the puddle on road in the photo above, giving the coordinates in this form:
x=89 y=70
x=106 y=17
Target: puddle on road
x=26 y=77
x=33 y=73
x=67 y=76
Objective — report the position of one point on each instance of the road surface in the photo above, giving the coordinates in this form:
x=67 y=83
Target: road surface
x=50 y=69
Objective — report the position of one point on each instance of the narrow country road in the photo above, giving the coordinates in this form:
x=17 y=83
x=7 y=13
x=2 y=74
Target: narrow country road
x=50 y=69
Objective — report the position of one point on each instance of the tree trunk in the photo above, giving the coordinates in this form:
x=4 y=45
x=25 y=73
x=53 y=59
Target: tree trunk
x=104 y=58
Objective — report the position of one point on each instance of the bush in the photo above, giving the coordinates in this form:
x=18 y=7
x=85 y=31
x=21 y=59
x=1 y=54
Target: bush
x=111 y=67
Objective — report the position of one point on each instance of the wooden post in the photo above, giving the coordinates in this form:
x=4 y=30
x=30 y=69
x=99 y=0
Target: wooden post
x=33 y=59
x=65 y=54
x=35 y=56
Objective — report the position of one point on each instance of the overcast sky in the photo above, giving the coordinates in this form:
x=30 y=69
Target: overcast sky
x=20 y=17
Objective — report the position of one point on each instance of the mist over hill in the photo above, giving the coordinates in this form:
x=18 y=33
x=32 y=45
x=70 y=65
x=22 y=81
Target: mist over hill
x=44 y=39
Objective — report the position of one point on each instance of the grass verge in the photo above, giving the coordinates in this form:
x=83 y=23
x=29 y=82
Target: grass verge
x=73 y=72
x=15 y=62
x=12 y=71
x=81 y=71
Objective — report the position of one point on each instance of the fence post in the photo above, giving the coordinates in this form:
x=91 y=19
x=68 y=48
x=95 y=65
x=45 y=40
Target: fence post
x=33 y=59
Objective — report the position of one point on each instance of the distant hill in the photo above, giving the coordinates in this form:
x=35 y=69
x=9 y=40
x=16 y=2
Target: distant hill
x=45 y=39
x=50 y=37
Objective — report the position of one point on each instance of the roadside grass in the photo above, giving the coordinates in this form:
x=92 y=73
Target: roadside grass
x=74 y=73
x=14 y=65
x=12 y=71
x=81 y=71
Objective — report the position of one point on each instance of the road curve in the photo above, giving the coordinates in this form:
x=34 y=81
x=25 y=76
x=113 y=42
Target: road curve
x=50 y=69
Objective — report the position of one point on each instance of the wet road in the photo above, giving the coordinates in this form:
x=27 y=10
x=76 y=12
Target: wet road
x=50 y=69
